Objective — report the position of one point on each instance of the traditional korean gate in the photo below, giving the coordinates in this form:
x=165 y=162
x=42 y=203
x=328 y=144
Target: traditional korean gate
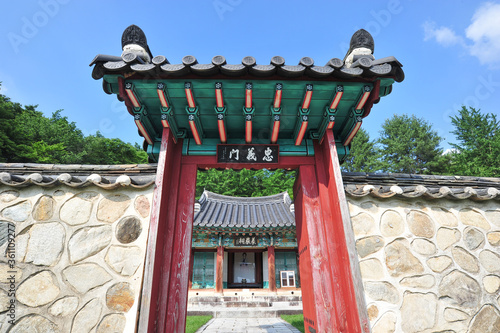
x=275 y=116
x=332 y=292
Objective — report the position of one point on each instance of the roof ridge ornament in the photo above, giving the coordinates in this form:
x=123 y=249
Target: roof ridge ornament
x=362 y=38
x=134 y=41
x=362 y=44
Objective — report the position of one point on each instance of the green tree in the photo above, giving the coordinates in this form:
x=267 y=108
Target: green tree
x=245 y=183
x=477 y=152
x=363 y=154
x=101 y=150
x=26 y=135
x=46 y=140
x=410 y=145
x=8 y=111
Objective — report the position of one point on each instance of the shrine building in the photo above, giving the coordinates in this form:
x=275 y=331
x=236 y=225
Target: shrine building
x=254 y=238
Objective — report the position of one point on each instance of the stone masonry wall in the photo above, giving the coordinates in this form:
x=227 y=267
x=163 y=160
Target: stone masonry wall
x=79 y=256
x=429 y=265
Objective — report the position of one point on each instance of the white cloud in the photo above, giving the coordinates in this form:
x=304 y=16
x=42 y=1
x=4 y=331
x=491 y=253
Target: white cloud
x=450 y=151
x=443 y=35
x=484 y=32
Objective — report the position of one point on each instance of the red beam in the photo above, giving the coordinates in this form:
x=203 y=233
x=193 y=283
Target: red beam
x=168 y=238
x=218 y=95
x=189 y=95
x=302 y=131
x=276 y=130
x=142 y=129
x=162 y=97
x=342 y=249
x=354 y=131
x=307 y=97
x=363 y=100
x=179 y=269
x=316 y=281
x=155 y=275
x=336 y=100
x=222 y=131
x=248 y=95
x=194 y=130
x=277 y=98
x=333 y=245
x=248 y=131
x=123 y=95
x=374 y=96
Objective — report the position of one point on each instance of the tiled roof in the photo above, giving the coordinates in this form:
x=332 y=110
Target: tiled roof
x=358 y=63
x=108 y=177
x=385 y=185
x=225 y=212
x=368 y=67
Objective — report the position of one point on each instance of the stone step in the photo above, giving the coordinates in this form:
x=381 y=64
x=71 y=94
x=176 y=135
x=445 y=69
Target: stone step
x=244 y=306
x=221 y=299
x=285 y=304
x=232 y=304
x=258 y=312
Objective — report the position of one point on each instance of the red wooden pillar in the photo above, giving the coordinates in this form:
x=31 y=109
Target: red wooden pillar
x=314 y=264
x=219 y=270
x=160 y=239
x=176 y=309
x=191 y=262
x=346 y=276
x=271 y=268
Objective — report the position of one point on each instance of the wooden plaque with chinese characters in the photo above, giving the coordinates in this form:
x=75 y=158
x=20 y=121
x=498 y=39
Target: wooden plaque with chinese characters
x=261 y=154
x=246 y=241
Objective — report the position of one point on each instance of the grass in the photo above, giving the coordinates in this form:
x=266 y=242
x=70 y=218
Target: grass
x=296 y=321
x=193 y=323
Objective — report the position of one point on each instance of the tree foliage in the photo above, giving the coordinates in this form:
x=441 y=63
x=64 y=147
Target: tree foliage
x=245 y=183
x=26 y=135
x=363 y=154
x=410 y=145
x=477 y=152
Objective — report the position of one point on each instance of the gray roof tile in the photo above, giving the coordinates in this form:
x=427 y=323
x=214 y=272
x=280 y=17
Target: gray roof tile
x=222 y=211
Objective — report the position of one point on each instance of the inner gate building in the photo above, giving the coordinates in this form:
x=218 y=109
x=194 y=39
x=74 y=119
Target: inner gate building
x=252 y=239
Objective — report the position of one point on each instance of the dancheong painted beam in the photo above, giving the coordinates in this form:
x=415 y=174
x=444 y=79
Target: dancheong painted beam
x=198 y=116
x=207 y=104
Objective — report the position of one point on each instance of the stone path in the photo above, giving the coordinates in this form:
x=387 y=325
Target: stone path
x=247 y=325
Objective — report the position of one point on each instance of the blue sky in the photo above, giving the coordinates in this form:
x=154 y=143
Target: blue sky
x=450 y=50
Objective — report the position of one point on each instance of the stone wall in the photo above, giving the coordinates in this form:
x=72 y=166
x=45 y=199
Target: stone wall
x=429 y=265
x=78 y=259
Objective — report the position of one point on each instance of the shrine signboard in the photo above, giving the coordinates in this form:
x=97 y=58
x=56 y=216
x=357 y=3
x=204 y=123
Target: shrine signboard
x=246 y=241
x=247 y=153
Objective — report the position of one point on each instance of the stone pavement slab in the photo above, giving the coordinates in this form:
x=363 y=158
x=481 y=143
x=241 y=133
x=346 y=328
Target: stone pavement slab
x=247 y=325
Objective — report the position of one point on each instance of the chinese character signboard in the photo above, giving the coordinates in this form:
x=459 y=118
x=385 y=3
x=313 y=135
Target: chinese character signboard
x=247 y=153
x=246 y=241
